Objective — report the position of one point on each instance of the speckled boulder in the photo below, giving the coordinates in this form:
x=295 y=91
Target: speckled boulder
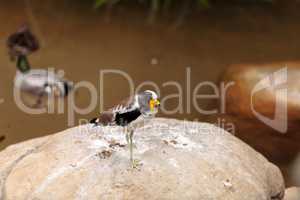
x=178 y=160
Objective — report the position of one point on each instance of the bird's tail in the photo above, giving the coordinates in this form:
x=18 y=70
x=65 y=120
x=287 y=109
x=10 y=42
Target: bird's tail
x=95 y=121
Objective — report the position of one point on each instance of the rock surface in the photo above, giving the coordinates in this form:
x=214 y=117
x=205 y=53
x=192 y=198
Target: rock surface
x=280 y=148
x=292 y=193
x=179 y=160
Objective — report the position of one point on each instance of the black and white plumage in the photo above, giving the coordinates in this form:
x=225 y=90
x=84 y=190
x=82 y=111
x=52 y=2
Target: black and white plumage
x=37 y=82
x=144 y=104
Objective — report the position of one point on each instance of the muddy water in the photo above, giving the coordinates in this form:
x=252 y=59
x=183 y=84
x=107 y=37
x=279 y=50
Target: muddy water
x=82 y=41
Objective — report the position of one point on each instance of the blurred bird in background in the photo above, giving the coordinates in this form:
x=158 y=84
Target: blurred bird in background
x=2 y=137
x=144 y=104
x=37 y=82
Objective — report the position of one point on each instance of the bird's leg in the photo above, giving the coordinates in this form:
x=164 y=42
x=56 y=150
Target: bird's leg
x=129 y=142
x=129 y=138
x=131 y=147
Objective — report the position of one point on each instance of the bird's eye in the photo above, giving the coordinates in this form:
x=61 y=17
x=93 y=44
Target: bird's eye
x=157 y=104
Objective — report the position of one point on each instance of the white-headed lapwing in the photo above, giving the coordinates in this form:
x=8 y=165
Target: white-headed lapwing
x=143 y=104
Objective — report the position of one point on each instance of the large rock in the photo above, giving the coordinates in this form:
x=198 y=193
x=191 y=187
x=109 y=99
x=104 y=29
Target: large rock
x=179 y=160
x=292 y=193
x=247 y=77
x=280 y=148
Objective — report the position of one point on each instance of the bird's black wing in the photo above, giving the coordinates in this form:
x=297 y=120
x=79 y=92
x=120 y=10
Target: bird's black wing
x=123 y=106
x=118 y=114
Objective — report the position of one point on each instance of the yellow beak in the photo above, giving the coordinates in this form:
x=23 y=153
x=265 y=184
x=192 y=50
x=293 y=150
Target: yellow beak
x=154 y=103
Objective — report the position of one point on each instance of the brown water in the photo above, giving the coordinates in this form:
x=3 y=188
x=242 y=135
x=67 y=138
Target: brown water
x=82 y=41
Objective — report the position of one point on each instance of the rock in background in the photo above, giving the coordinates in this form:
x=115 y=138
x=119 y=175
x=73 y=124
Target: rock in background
x=179 y=160
x=280 y=148
x=292 y=194
x=295 y=171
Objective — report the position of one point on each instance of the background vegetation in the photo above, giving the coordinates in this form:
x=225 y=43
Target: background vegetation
x=156 y=5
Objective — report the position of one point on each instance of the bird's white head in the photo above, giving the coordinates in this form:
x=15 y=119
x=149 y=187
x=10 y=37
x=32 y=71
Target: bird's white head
x=148 y=103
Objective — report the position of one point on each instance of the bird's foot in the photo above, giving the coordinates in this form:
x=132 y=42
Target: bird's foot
x=133 y=146
x=136 y=164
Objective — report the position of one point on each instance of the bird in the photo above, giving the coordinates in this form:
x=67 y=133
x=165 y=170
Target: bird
x=144 y=104
x=38 y=82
